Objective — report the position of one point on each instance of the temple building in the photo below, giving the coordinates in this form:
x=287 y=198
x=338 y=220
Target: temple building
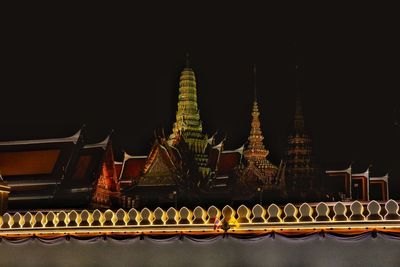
x=301 y=172
x=106 y=192
x=4 y=192
x=58 y=172
x=189 y=167
x=362 y=182
x=188 y=126
x=259 y=176
x=178 y=166
x=379 y=187
x=185 y=168
x=337 y=182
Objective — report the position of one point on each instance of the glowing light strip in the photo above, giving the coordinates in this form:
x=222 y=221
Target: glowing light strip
x=308 y=217
x=184 y=229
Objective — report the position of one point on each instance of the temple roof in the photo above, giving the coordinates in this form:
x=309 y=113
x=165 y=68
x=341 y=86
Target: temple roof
x=374 y=170
x=56 y=169
x=336 y=166
x=118 y=168
x=102 y=144
x=163 y=152
x=359 y=167
x=130 y=169
x=70 y=139
x=214 y=155
x=228 y=161
x=89 y=159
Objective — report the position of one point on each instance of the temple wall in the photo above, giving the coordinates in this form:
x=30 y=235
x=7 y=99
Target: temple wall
x=312 y=250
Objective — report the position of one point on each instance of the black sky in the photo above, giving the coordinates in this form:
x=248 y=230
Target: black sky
x=118 y=68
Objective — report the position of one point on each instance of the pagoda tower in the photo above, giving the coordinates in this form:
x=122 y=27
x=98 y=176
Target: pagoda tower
x=300 y=169
x=107 y=191
x=255 y=152
x=188 y=124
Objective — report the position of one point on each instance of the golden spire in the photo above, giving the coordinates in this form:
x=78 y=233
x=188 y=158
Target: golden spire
x=188 y=124
x=187 y=115
x=255 y=150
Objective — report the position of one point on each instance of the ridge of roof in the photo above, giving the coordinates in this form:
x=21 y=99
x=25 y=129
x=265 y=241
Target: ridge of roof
x=128 y=156
x=238 y=150
x=72 y=139
x=102 y=144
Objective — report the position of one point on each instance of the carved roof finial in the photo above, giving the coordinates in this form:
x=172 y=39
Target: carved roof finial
x=255 y=82
x=298 y=116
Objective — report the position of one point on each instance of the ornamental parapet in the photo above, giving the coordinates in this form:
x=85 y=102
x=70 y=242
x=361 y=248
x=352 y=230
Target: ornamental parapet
x=337 y=217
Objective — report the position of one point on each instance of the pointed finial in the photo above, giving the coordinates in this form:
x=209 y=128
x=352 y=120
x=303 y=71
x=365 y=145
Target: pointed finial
x=255 y=82
x=187 y=60
x=297 y=82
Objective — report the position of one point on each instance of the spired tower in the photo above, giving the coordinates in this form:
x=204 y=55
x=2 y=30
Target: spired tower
x=188 y=124
x=301 y=172
x=255 y=153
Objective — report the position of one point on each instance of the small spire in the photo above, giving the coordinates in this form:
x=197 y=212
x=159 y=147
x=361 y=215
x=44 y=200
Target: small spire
x=255 y=82
x=298 y=116
x=187 y=60
x=297 y=70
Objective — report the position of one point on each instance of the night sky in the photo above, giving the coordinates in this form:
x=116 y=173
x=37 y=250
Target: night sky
x=119 y=69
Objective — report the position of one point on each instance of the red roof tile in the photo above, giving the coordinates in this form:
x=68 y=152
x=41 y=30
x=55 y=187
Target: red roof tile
x=133 y=168
x=228 y=161
x=118 y=168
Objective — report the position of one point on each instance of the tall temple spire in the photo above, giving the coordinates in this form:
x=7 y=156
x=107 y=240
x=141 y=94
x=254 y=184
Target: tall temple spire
x=187 y=115
x=255 y=150
x=301 y=172
x=188 y=124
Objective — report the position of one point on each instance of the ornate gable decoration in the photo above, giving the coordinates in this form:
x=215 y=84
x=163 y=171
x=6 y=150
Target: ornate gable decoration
x=160 y=168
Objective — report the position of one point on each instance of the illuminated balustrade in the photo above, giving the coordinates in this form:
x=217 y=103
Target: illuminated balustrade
x=321 y=216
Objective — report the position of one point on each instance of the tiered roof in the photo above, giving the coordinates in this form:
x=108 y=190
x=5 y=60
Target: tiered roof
x=55 y=172
x=255 y=151
x=301 y=171
x=188 y=123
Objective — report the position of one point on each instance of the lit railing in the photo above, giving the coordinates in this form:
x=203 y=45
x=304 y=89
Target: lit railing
x=337 y=217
